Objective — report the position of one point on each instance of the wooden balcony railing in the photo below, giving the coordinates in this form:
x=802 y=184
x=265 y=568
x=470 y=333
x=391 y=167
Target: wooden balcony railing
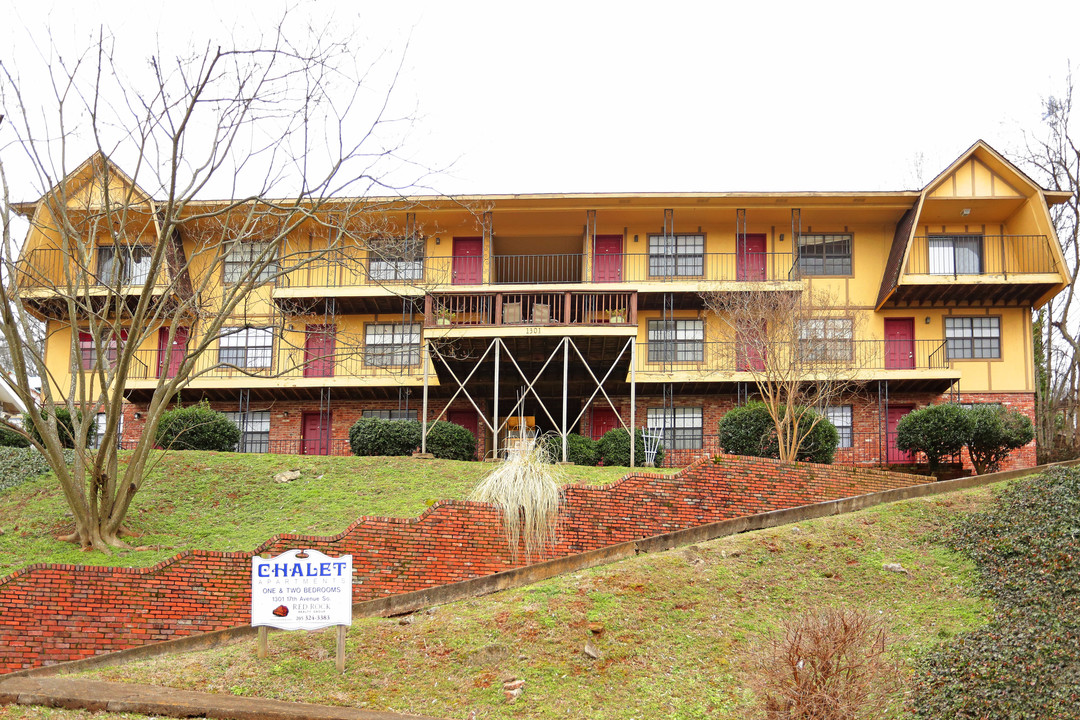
x=536 y=308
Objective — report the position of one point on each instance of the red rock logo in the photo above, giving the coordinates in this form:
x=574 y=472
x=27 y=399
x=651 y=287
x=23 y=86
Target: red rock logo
x=281 y=611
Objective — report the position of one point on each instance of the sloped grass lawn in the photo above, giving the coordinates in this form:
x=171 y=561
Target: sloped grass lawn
x=677 y=627
x=229 y=501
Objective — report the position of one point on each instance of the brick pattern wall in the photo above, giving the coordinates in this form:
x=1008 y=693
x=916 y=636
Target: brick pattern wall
x=53 y=613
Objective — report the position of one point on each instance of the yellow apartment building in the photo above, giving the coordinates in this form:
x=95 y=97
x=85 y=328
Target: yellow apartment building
x=581 y=313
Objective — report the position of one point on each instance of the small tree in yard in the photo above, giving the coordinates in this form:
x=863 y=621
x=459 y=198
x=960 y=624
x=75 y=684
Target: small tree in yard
x=995 y=432
x=799 y=348
x=937 y=431
x=827 y=665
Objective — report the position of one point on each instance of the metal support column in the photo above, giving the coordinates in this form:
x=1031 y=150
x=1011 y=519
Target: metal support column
x=565 y=390
x=495 y=404
x=633 y=397
x=423 y=419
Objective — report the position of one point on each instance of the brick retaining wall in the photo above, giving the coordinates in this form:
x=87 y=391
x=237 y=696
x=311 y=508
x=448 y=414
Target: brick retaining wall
x=54 y=613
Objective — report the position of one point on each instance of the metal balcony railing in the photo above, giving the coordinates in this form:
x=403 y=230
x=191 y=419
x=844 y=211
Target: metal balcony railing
x=537 y=308
x=346 y=268
x=375 y=360
x=123 y=266
x=953 y=255
x=825 y=354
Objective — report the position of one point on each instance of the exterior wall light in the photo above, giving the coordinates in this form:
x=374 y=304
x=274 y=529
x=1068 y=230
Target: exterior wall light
x=965 y=212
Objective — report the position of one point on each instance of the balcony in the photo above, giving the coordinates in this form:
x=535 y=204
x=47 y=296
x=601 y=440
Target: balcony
x=353 y=274
x=533 y=310
x=284 y=373
x=918 y=364
x=1009 y=269
x=46 y=276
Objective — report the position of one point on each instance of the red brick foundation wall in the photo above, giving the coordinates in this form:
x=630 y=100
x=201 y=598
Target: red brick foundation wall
x=53 y=613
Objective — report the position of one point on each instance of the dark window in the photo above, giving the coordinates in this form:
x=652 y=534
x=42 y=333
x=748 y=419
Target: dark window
x=396 y=259
x=391 y=414
x=681 y=426
x=243 y=256
x=392 y=344
x=840 y=416
x=825 y=254
x=956 y=254
x=973 y=338
x=676 y=340
x=254 y=430
x=676 y=255
x=246 y=347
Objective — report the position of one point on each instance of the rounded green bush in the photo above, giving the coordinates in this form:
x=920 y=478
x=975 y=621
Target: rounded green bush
x=937 y=431
x=449 y=441
x=749 y=430
x=614 y=449
x=64 y=426
x=10 y=438
x=197 y=427
x=995 y=432
x=580 y=450
x=375 y=436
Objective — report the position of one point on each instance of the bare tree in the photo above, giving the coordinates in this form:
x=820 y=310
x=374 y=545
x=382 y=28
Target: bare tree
x=800 y=350
x=1053 y=154
x=115 y=262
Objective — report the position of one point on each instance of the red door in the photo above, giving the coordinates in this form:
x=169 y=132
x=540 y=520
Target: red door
x=319 y=351
x=750 y=257
x=315 y=434
x=607 y=260
x=169 y=359
x=468 y=261
x=750 y=349
x=466 y=419
x=894 y=455
x=603 y=419
x=899 y=343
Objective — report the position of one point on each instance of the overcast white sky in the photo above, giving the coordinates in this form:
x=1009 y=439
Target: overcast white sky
x=673 y=96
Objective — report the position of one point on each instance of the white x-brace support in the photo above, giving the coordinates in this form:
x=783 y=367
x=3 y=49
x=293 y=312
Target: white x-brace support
x=431 y=352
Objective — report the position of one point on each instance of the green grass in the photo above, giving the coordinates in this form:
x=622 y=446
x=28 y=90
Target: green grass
x=678 y=627
x=229 y=501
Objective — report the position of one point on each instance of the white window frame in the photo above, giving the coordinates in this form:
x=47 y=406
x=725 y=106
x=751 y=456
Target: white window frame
x=254 y=428
x=683 y=426
x=404 y=264
x=826 y=339
x=973 y=337
x=247 y=348
x=676 y=341
x=241 y=256
x=960 y=254
x=392 y=344
x=681 y=255
x=825 y=261
x=128 y=264
x=843 y=419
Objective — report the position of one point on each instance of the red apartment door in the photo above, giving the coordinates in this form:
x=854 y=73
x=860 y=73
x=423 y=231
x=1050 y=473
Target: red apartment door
x=319 y=351
x=607 y=260
x=750 y=349
x=894 y=455
x=169 y=359
x=603 y=419
x=750 y=257
x=468 y=261
x=315 y=434
x=466 y=419
x=899 y=343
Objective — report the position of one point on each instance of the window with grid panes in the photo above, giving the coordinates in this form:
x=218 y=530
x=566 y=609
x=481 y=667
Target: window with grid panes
x=246 y=347
x=682 y=426
x=840 y=417
x=242 y=256
x=254 y=430
x=676 y=341
x=826 y=340
x=396 y=259
x=111 y=349
x=821 y=254
x=676 y=255
x=392 y=344
x=973 y=338
x=390 y=414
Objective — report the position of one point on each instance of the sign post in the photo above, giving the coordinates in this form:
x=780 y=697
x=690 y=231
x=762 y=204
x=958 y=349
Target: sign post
x=302 y=590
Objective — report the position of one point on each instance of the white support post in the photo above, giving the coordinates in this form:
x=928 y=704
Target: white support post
x=633 y=396
x=423 y=417
x=495 y=404
x=565 y=385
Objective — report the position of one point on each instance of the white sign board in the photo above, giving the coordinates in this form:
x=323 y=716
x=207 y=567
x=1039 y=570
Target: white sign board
x=291 y=592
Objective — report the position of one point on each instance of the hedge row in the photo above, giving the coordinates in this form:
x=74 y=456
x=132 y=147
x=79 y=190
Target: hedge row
x=445 y=440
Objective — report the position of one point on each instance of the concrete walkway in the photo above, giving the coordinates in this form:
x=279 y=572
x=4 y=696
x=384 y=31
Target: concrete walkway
x=150 y=700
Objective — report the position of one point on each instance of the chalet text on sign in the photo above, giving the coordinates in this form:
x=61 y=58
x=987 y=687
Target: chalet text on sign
x=301 y=590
